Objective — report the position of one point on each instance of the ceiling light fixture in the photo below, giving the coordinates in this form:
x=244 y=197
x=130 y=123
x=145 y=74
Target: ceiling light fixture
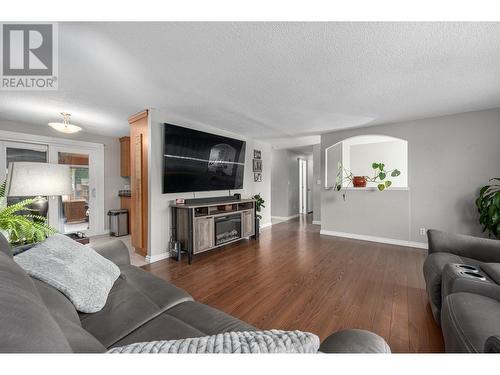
x=65 y=126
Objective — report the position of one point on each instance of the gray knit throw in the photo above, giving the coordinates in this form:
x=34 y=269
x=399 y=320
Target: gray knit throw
x=273 y=341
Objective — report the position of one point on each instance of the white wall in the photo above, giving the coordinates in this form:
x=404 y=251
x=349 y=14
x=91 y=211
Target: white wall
x=112 y=179
x=358 y=157
x=159 y=211
x=449 y=159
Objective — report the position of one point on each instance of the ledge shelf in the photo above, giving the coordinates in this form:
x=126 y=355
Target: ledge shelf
x=371 y=188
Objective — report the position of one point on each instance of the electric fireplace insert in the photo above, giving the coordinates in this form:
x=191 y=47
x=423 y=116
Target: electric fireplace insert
x=227 y=228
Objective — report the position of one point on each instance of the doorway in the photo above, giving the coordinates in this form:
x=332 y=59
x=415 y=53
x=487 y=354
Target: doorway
x=303 y=204
x=83 y=209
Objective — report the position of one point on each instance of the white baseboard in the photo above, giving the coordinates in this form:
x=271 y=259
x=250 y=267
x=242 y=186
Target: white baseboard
x=265 y=225
x=284 y=218
x=392 y=241
x=317 y=222
x=156 y=257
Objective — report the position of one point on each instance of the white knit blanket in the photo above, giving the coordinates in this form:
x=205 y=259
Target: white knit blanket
x=77 y=271
x=273 y=341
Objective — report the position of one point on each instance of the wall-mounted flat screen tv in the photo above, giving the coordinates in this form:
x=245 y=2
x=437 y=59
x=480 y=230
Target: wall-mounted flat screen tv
x=199 y=161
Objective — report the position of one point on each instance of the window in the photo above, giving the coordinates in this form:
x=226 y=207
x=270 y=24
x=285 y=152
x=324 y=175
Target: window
x=357 y=154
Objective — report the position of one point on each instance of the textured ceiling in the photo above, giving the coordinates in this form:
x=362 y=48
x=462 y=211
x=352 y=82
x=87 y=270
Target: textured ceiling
x=272 y=81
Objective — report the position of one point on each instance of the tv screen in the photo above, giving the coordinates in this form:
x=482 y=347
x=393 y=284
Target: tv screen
x=199 y=161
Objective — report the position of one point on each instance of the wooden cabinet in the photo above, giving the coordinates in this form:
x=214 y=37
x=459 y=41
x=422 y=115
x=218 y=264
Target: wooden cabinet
x=139 y=181
x=203 y=234
x=73 y=159
x=125 y=156
x=207 y=225
x=75 y=211
x=247 y=223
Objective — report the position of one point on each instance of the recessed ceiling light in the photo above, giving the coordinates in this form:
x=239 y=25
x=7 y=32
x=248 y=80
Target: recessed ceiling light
x=65 y=126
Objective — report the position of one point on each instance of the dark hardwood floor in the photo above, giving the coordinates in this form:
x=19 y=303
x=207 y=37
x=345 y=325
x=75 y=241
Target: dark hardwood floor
x=295 y=278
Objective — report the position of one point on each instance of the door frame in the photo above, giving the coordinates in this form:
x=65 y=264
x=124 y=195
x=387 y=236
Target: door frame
x=303 y=186
x=55 y=145
x=4 y=144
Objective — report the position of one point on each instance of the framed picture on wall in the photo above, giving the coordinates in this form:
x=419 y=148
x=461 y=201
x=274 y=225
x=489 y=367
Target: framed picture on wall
x=257 y=177
x=257 y=165
x=257 y=154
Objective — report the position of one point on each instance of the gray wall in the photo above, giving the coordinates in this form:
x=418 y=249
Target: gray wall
x=449 y=158
x=112 y=179
x=285 y=183
x=316 y=188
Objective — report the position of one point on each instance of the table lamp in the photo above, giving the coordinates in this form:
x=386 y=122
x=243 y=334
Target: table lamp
x=27 y=179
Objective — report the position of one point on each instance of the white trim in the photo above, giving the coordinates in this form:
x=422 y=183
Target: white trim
x=317 y=222
x=374 y=188
x=156 y=257
x=284 y=218
x=41 y=139
x=55 y=145
x=392 y=241
x=262 y=226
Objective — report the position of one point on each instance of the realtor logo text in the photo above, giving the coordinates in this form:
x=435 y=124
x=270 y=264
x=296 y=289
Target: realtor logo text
x=29 y=56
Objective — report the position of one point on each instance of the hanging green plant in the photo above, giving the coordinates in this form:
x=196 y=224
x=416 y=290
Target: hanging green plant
x=22 y=228
x=488 y=205
x=345 y=178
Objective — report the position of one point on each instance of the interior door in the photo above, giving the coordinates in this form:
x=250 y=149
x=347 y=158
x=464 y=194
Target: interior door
x=302 y=186
x=83 y=209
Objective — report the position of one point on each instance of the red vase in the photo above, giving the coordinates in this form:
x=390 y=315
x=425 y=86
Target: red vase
x=359 y=181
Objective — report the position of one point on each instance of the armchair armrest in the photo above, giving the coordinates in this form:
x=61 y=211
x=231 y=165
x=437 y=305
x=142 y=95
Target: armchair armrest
x=453 y=282
x=482 y=249
x=115 y=251
x=354 y=341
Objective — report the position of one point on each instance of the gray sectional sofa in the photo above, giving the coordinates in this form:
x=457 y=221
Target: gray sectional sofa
x=462 y=275
x=35 y=317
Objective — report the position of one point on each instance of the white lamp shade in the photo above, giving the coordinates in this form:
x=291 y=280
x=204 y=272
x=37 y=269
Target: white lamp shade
x=29 y=179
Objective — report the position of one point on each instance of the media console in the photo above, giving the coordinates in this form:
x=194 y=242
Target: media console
x=201 y=227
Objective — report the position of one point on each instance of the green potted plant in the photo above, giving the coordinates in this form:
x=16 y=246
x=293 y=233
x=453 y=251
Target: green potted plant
x=259 y=204
x=346 y=178
x=20 y=228
x=488 y=205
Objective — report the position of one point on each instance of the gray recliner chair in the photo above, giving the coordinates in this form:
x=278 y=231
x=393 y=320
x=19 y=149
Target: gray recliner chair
x=446 y=248
x=467 y=308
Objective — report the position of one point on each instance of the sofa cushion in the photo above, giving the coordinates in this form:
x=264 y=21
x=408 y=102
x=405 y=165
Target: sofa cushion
x=207 y=319
x=188 y=319
x=135 y=299
x=467 y=320
x=492 y=270
x=58 y=304
x=26 y=325
x=65 y=315
x=161 y=292
x=162 y=327
x=79 y=339
x=433 y=269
